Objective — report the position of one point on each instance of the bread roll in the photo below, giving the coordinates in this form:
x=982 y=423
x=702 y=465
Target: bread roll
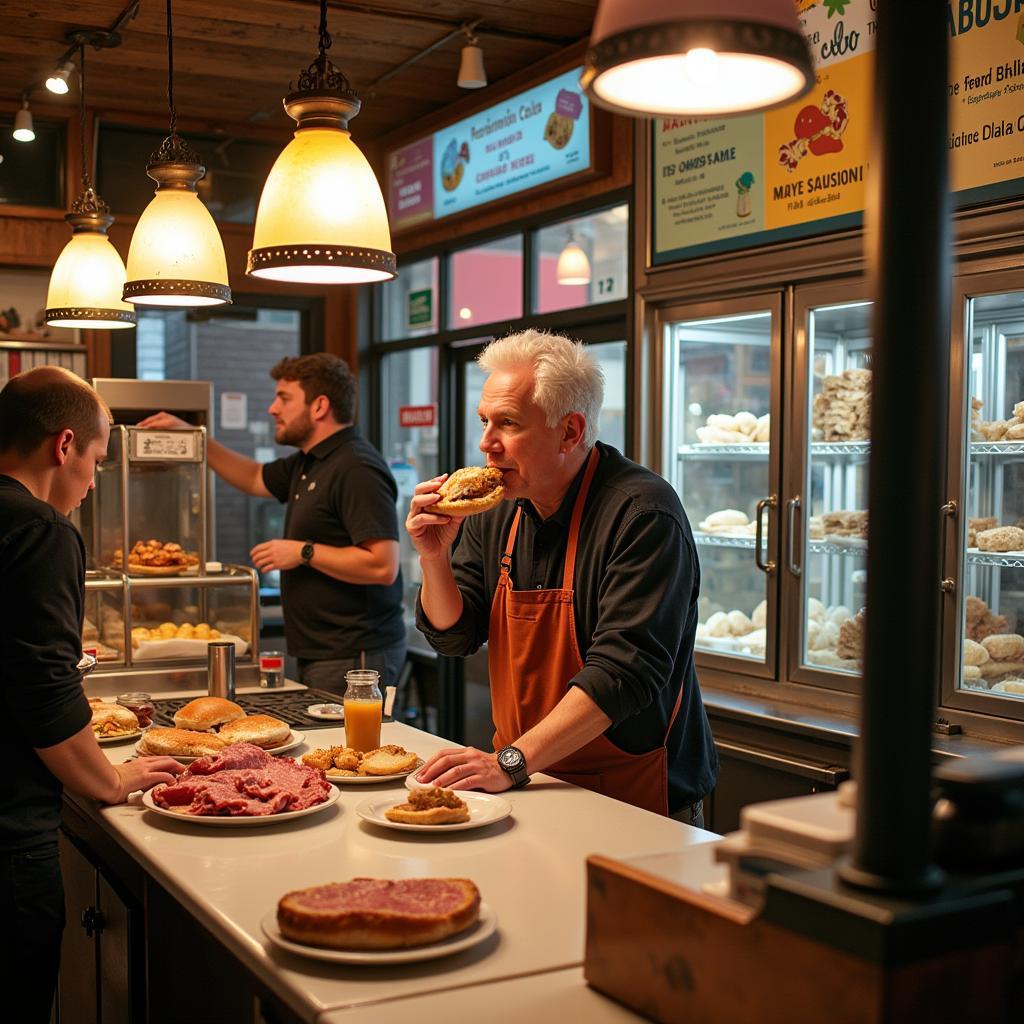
x=971 y=672
x=388 y=760
x=1004 y=647
x=975 y=654
x=181 y=743
x=205 y=713
x=260 y=730
x=725 y=517
x=739 y=624
x=759 y=616
x=1010 y=686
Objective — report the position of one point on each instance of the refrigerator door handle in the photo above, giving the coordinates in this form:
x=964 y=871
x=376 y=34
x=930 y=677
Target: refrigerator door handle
x=949 y=511
x=791 y=509
x=770 y=502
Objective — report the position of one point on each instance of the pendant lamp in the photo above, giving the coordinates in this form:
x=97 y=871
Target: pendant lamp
x=321 y=218
x=471 y=63
x=657 y=58
x=89 y=275
x=176 y=257
x=24 y=129
x=573 y=266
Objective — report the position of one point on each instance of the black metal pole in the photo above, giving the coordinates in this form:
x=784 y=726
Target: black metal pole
x=908 y=226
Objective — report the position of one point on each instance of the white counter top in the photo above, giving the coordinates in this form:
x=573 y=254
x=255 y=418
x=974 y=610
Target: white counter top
x=529 y=868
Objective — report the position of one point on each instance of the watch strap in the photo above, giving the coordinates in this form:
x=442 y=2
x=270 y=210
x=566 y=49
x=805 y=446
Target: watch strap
x=519 y=775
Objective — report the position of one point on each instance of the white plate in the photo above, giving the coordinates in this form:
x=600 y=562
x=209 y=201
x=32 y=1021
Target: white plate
x=294 y=739
x=483 y=929
x=238 y=821
x=369 y=780
x=119 y=739
x=317 y=711
x=484 y=809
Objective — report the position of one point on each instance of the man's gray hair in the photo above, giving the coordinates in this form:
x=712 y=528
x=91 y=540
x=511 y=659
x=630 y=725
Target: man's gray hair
x=566 y=378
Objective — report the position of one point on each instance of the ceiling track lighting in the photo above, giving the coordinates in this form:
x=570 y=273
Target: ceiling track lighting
x=472 y=74
x=58 y=81
x=700 y=58
x=24 y=130
x=321 y=217
x=176 y=256
x=87 y=279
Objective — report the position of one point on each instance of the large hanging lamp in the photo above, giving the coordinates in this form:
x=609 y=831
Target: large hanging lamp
x=321 y=218
x=89 y=275
x=573 y=267
x=176 y=257
x=659 y=58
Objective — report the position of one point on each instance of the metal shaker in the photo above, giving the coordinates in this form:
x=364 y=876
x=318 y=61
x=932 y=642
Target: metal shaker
x=221 y=669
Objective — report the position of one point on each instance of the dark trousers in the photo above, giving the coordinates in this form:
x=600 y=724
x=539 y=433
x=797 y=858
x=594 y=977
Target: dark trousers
x=32 y=909
x=329 y=674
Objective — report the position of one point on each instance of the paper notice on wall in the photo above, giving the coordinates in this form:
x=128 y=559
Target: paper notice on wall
x=234 y=410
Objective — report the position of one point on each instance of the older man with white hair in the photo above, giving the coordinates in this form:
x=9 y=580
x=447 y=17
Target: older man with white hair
x=583 y=583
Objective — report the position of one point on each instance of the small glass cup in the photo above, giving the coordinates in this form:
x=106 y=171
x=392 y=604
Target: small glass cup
x=140 y=703
x=363 y=709
x=271 y=669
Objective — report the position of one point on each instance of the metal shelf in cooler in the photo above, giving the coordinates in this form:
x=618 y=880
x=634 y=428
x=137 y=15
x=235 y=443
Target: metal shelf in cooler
x=737 y=451
x=712 y=540
x=997 y=448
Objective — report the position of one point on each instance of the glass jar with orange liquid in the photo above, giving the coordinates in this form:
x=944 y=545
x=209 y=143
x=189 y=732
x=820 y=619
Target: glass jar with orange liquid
x=363 y=709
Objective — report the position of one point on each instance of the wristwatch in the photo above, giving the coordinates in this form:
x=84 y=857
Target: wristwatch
x=512 y=762
x=306 y=553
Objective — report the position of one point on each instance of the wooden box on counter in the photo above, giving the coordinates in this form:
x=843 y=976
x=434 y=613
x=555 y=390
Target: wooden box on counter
x=676 y=954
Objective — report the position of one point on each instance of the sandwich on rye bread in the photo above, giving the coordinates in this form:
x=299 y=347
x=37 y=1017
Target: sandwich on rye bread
x=206 y=713
x=432 y=806
x=377 y=913
x=469 y=491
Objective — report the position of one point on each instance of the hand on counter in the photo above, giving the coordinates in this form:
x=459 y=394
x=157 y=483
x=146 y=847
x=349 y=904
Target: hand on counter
x=164 y=421
x=464 y=768
x=277 y=554
x=431 y=535
x=145 y=773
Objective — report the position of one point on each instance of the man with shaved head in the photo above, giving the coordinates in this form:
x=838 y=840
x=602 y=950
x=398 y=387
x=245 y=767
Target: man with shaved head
x=53 y=434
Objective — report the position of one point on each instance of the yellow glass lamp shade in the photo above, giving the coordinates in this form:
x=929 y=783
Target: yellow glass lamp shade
x=177 y=257
x=321 y=218
x=660 y=58
x=86 y=283
x=573 y=266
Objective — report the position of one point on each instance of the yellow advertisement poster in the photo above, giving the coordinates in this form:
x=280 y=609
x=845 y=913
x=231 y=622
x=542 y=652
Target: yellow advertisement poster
x=986 y=97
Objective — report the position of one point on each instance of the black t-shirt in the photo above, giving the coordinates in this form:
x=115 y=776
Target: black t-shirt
x=339 y=493
x=42 y=574
x=635 y=605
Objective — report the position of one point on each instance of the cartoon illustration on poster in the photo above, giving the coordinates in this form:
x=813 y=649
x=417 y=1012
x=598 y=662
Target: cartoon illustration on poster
x=453 y=165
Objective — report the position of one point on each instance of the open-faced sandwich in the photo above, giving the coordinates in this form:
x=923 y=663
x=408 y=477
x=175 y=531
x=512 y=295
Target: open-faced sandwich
x=432 y=806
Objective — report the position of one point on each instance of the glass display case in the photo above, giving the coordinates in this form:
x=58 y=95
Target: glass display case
x=720 y=456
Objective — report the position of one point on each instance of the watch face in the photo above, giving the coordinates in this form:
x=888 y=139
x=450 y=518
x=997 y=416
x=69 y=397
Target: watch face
x=510 y=758
x=307 y=552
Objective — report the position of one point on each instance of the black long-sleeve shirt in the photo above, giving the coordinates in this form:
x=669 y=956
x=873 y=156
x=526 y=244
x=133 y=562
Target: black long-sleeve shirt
x=635 y=605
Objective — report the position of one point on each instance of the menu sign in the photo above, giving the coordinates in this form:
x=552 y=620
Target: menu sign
x=165 y=445
x=531 y=139
x=801 y=170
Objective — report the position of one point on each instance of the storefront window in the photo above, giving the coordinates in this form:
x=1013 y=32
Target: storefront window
x=611 y=357
x=581 y=262
x=32 y=174
x=485 y=283
x=408 y=303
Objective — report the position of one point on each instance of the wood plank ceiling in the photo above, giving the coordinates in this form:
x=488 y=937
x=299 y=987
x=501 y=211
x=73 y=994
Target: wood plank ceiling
x=234 y=59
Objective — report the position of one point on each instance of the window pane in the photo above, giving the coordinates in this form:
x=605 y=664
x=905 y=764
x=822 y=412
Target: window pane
x=473 y=384
x=486 y=283
x=611 y=357
x=993 y=613
x=32 y=173
x=235 y=170
x=408 y=303
x=581 y=262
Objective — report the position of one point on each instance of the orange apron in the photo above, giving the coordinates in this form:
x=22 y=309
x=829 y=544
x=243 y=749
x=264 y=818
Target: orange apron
x=532 y=655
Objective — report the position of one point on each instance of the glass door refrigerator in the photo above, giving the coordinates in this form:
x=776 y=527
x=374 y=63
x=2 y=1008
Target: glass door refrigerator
x=721 y=452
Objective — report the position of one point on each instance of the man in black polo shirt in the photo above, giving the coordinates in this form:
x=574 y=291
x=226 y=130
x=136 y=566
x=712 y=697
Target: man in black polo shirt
x=340 y=583
x=53 y=433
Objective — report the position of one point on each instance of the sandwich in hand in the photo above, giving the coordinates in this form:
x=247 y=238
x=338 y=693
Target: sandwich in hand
x=433 y=806
x=469 y=491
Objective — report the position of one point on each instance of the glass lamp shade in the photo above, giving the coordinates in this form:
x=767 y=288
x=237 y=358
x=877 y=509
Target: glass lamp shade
x=659 y=58
x=24 y=130
x=86 y=283
x=573 y=266
x=177 y=257
x=321 y=218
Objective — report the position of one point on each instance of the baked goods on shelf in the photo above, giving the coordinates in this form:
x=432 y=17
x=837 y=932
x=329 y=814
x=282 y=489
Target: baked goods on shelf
x=743 y=428
x=153 y=557
x=735 y=623
x=851 y=637
x=376 y=913
x=433 y=806
x=346 y=762
x=1001 y=538
x=169 y=631
x=1011 y=429
x=976 y=433
x=728 y=522
x=975 y=654
x=841 y=411
x=980 y=621
x=1010 y=686
x=844 y=524
x=979 y=524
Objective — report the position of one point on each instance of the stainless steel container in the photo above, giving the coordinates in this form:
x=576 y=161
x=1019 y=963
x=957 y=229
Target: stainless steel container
x=221 y=669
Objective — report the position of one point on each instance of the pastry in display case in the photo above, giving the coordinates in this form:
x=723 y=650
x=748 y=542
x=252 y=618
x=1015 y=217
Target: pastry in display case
x=992 y=634
x=834 y=567
x=719 y=398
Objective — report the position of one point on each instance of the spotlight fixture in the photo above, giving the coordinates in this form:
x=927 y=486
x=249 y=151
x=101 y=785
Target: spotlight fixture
x=471 y=66
x=87 y=279
x=573 y=265
x=24 y=130
x=176 y=257
x=653 y=58
x=321 y=218
x=58 y=81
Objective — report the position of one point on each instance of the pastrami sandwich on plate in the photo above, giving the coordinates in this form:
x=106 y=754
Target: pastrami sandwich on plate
x=469 y=491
